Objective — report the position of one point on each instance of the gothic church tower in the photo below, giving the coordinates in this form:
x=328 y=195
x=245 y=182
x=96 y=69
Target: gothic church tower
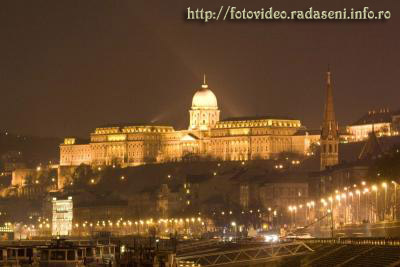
x=329 y=134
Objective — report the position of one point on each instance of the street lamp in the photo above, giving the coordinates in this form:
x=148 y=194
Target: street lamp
x=395 y=201
x=343 y=196
x=292 y=210
x=233 y=224
x=359 y=204
x=338 y=206
x=331 y=201
x=330 y=212
x=294 y=218
x=365 y=192
x=384 y=185
x=375 y=189
x=351 y=210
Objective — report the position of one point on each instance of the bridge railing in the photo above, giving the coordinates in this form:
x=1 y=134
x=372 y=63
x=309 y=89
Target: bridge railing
x=196 y=245
x=376 y=241
x=255 y=254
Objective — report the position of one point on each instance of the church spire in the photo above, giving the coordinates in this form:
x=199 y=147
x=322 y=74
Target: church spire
x=329 y=134
x=329 y=126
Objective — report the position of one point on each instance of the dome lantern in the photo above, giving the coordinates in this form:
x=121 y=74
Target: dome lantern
x=204 y=112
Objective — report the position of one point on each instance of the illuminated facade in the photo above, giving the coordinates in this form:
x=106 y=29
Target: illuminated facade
x=383 y=122
x=207 y=137
x=204 y=113
x=62 y=217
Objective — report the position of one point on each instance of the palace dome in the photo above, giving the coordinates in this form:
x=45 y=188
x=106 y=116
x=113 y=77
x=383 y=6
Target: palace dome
x=204 y=98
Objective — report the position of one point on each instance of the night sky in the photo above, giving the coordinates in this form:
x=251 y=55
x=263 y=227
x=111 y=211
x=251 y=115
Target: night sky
x=68 y=66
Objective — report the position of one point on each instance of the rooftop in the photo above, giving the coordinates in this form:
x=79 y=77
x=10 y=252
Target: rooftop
x=375 y=116
x=254 y=118
x=308 y=131
x=136 y=124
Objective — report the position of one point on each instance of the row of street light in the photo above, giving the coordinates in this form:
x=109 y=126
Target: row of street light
x=354 y=204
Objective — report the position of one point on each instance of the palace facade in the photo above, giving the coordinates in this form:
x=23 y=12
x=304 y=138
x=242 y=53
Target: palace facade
x=207 y=136
x=383 y=122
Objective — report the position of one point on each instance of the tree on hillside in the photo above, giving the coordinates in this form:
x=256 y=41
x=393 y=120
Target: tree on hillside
x=387 y=166
x=82 y=175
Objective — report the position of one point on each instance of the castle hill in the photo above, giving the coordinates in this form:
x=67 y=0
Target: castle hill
x=199 y=133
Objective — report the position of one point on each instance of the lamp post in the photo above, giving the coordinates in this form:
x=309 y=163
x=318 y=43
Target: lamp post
x=375 y=189
x=351 y=219
x=359 y=204
x=269 y=215
x=291 y=215
x=293 y=210
x=343 y=196
x=332 y=225
x=338 y=209
x=235 y=229
x=141 y=224
x=365 y=192
x=395 y=201
x=311 y=206
x=384 y=185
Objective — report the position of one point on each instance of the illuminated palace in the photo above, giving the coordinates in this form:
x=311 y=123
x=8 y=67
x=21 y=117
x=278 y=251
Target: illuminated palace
x=207 y=136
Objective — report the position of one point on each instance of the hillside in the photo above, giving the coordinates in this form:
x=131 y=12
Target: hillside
x=28 y=150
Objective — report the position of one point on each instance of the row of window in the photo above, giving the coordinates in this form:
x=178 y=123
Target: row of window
x=256 y=124
x=330 y=148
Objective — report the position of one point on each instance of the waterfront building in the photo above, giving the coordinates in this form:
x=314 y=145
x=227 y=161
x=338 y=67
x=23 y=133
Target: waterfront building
x=62 y=215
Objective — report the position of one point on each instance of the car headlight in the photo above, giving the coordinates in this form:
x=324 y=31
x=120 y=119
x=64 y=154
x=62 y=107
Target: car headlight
x=271 y=238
